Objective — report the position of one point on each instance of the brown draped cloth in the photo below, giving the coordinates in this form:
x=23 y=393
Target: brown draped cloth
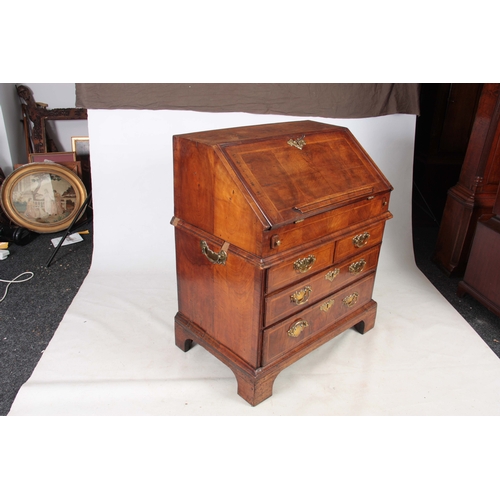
x=327 y=100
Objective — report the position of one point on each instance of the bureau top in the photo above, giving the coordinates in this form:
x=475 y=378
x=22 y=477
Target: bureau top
x=285 y=171
x=257 y=132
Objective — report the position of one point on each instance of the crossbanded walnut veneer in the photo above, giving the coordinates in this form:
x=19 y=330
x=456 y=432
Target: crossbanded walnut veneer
x=278 y=231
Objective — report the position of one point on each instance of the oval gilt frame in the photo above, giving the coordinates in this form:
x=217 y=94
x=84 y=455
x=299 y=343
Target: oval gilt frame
x=42 y=197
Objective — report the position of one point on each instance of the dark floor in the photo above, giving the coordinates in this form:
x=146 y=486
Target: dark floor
x=31 y=312
x=425 y=233
x=486 y=324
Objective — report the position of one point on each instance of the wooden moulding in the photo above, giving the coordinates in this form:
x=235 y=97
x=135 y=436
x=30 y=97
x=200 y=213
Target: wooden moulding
x=256 y=385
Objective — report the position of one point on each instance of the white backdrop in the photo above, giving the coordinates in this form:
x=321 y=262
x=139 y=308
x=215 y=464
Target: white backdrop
x=114 y=351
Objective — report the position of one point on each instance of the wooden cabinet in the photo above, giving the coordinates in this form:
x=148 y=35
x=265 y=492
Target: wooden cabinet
x=474 y=194
x=443 y=128
x=278 y=230
x=482 y=275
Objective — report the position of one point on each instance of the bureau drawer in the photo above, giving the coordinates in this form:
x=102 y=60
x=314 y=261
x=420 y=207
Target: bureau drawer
x=359 y=241
x=299 y=266
x=278 y=240
x=290 y=333
x=300 y=295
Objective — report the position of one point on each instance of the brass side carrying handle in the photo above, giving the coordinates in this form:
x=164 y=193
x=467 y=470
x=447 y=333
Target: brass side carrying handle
x=297 y=328
x=303 y=265
x=360 y=240
x=214 y=257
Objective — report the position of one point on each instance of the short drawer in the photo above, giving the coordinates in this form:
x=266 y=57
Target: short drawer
x=300 y=295
x=292 y=332
x=359 y=241
x=299 y=267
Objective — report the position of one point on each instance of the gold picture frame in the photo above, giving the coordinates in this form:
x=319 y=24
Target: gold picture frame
x=80 y=146
x=42 y=197
x=74 y=166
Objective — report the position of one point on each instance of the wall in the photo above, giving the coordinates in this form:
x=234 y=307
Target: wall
x=12 y=149
x=56 y=95
x=132 y=176
x=60 y=95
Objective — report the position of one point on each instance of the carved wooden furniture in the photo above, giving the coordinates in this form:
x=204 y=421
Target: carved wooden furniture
x=474 y=194
x=35 y=115
x=278 y=230
x=442 y=132
x=37 y=140
x=482 y=275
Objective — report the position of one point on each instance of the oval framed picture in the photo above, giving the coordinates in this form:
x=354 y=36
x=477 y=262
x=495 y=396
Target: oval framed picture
x=43 y=197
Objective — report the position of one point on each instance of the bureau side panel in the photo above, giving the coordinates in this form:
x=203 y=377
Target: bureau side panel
x=223 y=300
x=208 y=196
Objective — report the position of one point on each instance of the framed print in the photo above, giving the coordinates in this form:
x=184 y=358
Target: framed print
x=55 y=157
x=80 y=146
x=42 y=197
x=74 y=166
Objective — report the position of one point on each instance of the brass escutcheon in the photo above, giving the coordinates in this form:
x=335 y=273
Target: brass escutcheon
x=350 y=300
x=357 y=267
x=297 y=328
x=303 y=265
x=301 y=296
x=360 y=240
x=331 y=275
x=326 y=306
x=298 y=143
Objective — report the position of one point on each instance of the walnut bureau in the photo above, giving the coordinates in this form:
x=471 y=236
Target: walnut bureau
x=277 y=232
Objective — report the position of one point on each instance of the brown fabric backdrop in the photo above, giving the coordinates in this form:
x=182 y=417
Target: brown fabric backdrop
x=328 y=100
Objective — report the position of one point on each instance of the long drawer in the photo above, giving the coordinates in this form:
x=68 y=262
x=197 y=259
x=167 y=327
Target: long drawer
x=292 y=332
x=300 y=295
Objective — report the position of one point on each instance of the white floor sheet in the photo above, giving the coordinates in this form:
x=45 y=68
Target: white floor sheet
x=114 y=351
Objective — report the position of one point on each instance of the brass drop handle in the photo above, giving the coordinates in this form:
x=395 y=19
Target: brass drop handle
x=350 y=300
x=360 y=240
x=301 y=296
x=357 y=267
x=297 y=328
x=303 y=265
x=214 y=257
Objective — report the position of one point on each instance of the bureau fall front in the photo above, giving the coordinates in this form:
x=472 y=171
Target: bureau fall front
x=278 y=231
